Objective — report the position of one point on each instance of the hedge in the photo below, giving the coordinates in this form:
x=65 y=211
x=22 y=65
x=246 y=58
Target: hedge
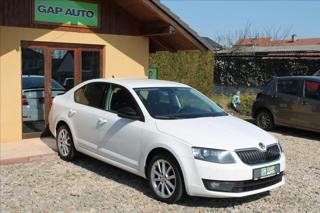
x=193 y=68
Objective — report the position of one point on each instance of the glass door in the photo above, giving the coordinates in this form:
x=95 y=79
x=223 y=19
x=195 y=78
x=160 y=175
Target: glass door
x=50 y=69
x=90 y=65
x=60 y=75
x=33 y=90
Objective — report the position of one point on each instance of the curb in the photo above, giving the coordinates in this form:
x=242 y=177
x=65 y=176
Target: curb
x=28 y=159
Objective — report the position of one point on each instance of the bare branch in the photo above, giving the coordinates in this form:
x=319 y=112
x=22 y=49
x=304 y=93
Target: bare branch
x=249 y=31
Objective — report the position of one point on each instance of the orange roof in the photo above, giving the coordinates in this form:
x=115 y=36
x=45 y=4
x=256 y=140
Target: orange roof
x=264 y=42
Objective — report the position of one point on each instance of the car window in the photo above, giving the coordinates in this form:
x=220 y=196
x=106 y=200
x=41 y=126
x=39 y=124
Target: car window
x=120 y=97
x=268 y=88
x=55 y=85
x=192 y=101
x=92 y=94
x=38 y=83
x=288 y=86
x=177 y=103
x=312 y=90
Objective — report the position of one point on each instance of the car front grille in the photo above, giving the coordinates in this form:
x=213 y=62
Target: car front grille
x=255 y=156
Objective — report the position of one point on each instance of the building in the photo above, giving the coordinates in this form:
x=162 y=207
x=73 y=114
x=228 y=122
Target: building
x=214 y=46
x=266 y=41
x=292 y=48
x=47 y=47
x=251 y=62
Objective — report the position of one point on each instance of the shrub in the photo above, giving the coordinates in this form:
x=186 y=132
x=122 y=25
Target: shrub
x=194 y=68
x=246 y=104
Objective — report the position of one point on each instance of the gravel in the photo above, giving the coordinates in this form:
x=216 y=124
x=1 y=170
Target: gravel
x=88 y=185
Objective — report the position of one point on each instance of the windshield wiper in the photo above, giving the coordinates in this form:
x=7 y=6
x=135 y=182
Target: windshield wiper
x=166 y=117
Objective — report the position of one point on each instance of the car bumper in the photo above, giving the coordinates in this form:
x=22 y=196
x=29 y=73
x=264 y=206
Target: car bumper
x=239 y=175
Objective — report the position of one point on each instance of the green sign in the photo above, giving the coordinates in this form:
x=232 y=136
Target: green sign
x=153 y=73
x=67 y=12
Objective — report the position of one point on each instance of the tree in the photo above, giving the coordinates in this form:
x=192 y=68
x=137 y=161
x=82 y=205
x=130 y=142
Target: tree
x=249 y=31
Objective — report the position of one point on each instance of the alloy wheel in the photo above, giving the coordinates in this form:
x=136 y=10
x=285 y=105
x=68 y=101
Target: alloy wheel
x=163 y=178
x=265 y=120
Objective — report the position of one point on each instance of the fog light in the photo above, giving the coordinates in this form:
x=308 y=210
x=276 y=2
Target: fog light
x=221 y=186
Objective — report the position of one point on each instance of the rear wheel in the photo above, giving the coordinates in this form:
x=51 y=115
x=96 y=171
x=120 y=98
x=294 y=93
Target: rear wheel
x=165 y=178
x=66 y=149
x=264 y=120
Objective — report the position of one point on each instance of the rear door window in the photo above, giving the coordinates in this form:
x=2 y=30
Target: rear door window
x=92 y=94
x=288 y=86
x=312 y=90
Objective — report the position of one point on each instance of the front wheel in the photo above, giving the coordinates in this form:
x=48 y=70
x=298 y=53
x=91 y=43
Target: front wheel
x=265 y=120
x=165 y=178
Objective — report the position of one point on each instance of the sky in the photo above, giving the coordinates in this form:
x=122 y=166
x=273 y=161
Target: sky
x=215 y=18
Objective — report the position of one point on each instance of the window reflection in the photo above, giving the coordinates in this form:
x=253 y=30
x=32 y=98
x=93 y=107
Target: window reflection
x=33 y=90
x=63 y=68
x=90 y=65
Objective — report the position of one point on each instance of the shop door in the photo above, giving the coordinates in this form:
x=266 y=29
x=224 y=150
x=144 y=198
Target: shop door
x=49 y=70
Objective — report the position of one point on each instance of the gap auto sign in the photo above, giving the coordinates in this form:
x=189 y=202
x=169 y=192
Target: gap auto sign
x=67 y=12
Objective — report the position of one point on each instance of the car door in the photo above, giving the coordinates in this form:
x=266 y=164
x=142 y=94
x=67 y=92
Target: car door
x=308 y=111
x=286 y=100
x=122 y=141
x=88 y=115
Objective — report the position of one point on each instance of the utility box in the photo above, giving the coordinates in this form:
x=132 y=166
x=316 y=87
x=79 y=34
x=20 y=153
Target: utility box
x=153 y=73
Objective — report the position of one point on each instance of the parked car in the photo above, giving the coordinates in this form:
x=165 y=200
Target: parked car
x=168 y=133
x=289 y=101
x=33 y=96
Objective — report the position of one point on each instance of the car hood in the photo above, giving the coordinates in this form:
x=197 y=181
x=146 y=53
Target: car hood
x=223 y=132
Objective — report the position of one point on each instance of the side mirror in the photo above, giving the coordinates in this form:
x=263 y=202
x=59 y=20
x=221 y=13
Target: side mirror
x=128 y=112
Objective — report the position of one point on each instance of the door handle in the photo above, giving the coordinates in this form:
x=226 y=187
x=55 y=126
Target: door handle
x=71 y=112
x=101 y=121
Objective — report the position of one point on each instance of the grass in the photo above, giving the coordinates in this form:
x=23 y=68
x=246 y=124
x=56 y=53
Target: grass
x=245 y=105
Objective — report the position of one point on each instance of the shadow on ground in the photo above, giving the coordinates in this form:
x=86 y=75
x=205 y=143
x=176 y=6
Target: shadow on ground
x=141 y=185
x=297 y=133
x=288 y=131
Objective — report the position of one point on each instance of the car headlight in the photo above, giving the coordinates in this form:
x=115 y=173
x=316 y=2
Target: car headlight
x=280 y=147
x=213 y=155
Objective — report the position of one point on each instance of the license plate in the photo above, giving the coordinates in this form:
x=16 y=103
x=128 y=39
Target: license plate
x=267 y=171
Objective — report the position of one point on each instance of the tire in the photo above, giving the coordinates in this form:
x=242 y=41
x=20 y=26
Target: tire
x=168 y=186
x=65 y=146
x=264 y=120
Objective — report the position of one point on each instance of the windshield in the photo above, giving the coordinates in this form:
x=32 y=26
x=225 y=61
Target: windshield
x=177 y=103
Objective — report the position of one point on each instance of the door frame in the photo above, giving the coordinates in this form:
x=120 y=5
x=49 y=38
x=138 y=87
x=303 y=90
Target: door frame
x=48 y=47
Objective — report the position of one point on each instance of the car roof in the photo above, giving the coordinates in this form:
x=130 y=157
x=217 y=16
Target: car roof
x=299 y=77
x=139 y=83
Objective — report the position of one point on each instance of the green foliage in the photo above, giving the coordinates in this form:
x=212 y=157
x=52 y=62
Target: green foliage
x=246 y=104
x=193 y=68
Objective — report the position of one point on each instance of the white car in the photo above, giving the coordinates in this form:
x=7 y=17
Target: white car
x=33 y=96
x=168 y=133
